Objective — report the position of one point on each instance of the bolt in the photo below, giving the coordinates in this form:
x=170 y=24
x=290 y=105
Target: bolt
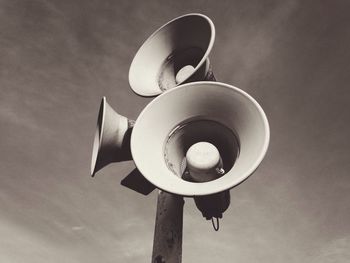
x=159 y=259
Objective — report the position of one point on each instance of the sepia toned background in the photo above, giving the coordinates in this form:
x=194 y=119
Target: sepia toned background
x=58 y=57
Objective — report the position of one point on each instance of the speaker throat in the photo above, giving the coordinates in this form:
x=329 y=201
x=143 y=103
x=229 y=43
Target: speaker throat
x=192 y=131
x=176 y=61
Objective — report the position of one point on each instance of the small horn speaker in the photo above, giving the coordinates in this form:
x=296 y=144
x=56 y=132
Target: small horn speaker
x=112 y=138
x=176 y=53
x=213 y=112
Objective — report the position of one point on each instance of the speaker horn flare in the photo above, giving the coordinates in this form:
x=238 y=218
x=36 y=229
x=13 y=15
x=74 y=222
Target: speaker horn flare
x=112 y=138
x=174 y=54
x=213 y=112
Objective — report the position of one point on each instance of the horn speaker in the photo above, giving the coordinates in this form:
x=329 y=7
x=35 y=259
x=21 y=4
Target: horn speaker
x=222 y=115
x=112 y=138
x=174 y=54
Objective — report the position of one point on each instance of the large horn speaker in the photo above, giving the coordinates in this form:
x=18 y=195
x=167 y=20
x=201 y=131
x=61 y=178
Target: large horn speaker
x=112 y=138
x=216 y=113
x=174 y=54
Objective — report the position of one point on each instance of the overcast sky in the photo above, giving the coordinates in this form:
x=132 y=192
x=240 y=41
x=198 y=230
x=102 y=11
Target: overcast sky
x=57 y=58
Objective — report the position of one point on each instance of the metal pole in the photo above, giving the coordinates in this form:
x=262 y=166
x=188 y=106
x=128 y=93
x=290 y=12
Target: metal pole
x=167 y=243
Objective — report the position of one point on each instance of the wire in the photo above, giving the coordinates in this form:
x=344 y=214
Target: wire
x=216 y=228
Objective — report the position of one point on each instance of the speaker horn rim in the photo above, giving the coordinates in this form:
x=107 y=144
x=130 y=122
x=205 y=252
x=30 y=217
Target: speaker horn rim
x=99 y=130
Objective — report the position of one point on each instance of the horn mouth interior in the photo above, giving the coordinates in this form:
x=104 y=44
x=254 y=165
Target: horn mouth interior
x=176 y=61
x=195 y=130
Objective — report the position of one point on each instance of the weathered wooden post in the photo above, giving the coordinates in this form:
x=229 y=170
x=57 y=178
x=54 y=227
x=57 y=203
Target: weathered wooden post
x=167 y=243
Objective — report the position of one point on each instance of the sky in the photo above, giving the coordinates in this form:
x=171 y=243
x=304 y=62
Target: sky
x=58 y=58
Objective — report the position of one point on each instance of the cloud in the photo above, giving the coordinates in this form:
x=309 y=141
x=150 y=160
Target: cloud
x=334 y=251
